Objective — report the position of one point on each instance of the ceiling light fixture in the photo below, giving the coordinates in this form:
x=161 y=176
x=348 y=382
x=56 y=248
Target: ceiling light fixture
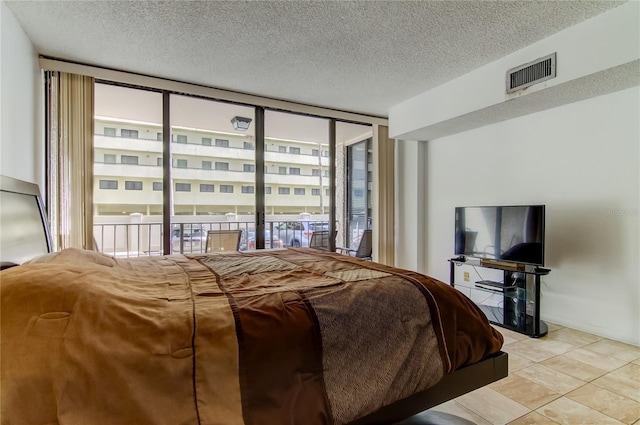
x=240 y=123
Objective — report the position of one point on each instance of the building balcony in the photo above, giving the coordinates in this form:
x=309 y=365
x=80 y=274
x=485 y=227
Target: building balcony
x=126 y=144
x=101 y=169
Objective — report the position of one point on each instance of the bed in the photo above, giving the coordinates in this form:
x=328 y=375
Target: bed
x=289 y=336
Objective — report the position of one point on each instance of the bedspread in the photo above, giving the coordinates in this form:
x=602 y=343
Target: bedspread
x=293 y=336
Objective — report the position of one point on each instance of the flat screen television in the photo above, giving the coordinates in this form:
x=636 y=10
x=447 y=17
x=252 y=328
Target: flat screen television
x=512 y=234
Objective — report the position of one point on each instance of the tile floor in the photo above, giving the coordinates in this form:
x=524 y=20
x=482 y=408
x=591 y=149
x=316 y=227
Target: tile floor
x=567 y=377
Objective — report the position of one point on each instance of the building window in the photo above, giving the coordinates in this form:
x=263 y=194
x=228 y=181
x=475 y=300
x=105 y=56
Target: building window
x=159 y=162
x=130 y=134
x=298 y=190
x=249 y=168
x=315 y=192
x=157 y=186
x=284 y=191
x=132 y=185
x=181 y=138
x=222 y=143
x=206 y=141
x=206 y=188
x=109 y=158
x=181 y=163
x=206 y=165
x=327 y=192
x=247 y=189
x=226 y=188
x=109 y=184
x=325 y=153
x=315 y=152
x=159 y=137
x=128 y=159
x=223 y=166
x=326 y=173
x=267 y=190
x=315 y=172
x=282 y=170
x=282 y=149
x=294 y=171
x=183 y=187
x=110 y=131
x=294 y=150
x=249 y=146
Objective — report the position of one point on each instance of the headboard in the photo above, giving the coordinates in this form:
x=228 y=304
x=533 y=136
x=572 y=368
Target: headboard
x=24 y=230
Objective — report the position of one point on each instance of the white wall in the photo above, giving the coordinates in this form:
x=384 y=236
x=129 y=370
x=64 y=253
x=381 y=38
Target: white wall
x=582 y=161
x=21 y=124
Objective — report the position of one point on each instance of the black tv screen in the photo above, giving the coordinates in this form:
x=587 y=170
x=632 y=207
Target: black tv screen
x=505 y=233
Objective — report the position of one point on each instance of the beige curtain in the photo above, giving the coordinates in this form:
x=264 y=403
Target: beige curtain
x=384 y=196
x=70 y=159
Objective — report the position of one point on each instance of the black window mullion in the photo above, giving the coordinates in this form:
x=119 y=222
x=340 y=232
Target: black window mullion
x=167 y=200
x=259 y=190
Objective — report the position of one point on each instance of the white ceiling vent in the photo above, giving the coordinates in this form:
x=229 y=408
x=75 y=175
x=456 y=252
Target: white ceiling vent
x=531 y=73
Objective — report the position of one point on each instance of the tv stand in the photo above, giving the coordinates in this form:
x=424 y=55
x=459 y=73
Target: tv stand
x=519 y=309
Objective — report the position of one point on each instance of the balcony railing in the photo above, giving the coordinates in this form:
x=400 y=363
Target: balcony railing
x=126 y=240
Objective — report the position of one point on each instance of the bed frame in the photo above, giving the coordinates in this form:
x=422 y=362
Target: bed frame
x=453 y=385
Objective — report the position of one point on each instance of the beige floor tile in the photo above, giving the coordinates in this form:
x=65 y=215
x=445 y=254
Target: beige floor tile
x=553 y=327
x=594 y=359
x=615 y=349
x=611 y=404
x=573 y=337
x=574 y=368
x=550 y=378
x=524 y=391
x=631 y=371
x=636 y=361
x=533 y=418
x=569 y=412
x=538 y=350
x=511 y=334
x=492 y=406
x=620 y=385
x=454 y=408
x=517 y=362
x=509 y=340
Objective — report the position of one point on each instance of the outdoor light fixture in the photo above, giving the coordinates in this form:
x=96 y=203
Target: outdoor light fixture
x=240 y=123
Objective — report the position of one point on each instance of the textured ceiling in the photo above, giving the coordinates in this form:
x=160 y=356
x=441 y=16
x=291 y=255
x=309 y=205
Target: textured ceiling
x=355 y=56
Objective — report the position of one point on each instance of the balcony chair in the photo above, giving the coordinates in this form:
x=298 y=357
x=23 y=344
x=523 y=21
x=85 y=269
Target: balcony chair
x=320 y=239
x=222 y=240
x=364 y=250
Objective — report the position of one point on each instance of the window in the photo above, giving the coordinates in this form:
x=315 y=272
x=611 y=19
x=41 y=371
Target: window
x=132 y=185
x=247 y=189
x=284 y=191
x=327 y=192
x=130 y=134
x=109 y=158
x=181 y=163
x=267 y=190
x=224 y=166
x=109 y=184
x=294 y=150
x=206 y=165
x=294 y=171
x=315 y=192
x=128 y=159
x=183 y=187
x=181 y=138
x=159 y=162
x=159 y=137
x=249 y=168
x=315 y=172
x=206 y=188
x=326 y=173
x=298 y=190
x=282 y=170
x=226 y=188
x=249 y=146
x=222 y=143
x=325 y=153
x=282 y=149
x=315 y=152
x=206 y=141
x=110 y=131
x=157 y=186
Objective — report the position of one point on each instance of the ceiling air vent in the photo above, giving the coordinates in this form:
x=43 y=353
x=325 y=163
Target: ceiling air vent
x=531 y=73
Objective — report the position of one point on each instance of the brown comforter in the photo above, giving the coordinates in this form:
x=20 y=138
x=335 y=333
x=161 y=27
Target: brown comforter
x=267 y=338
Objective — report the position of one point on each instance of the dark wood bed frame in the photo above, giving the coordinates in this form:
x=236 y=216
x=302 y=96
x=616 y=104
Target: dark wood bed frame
x=453 y=385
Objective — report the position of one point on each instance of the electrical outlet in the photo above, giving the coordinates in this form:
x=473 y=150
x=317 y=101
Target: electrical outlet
x=466 y=276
